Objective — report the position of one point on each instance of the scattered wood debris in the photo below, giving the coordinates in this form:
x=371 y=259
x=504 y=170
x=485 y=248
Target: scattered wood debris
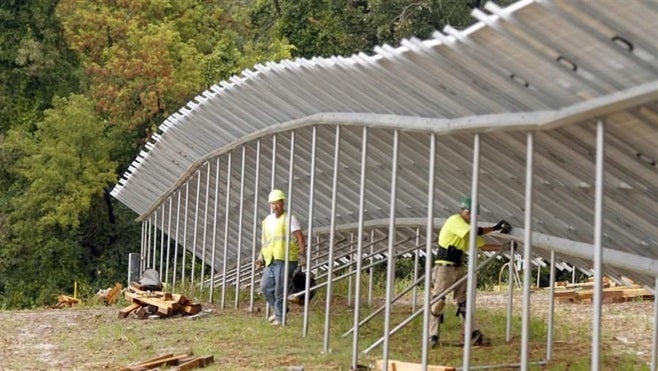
x=177 y=362
x=110 y=295
x=612 y=293
x=66 y=301
x=145 y=304
x=407 y=366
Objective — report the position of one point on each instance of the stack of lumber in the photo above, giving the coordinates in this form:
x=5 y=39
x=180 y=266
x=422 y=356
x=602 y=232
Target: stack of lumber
x=177 y=362
x=584 y=292
x=145 y=304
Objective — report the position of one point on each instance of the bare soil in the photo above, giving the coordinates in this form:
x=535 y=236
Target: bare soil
x=52 y=339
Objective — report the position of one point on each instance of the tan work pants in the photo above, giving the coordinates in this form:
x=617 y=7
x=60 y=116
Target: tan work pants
x=444 y=276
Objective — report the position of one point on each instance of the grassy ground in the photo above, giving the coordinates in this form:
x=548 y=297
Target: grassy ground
x=92 y=338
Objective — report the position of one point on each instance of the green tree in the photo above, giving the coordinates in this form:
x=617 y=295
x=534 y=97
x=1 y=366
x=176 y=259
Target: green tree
x=62 y=166
x=35 y=64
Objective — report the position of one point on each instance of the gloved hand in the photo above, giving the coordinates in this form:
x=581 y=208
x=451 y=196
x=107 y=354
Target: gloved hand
x=502 y=227
x=259 y=263
x=302 y=261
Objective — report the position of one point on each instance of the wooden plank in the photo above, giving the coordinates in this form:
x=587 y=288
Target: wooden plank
x=164 y=356
x=192 y=308
x=123 y=313
x=196 y=362
x=171 y=360
x=408 y=366
x=164 y=307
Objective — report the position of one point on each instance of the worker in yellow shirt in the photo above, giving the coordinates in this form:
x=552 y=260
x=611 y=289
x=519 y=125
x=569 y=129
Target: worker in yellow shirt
x=275 y=231
x=449 y=268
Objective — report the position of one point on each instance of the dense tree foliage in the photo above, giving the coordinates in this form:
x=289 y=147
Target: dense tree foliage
x=85 y=83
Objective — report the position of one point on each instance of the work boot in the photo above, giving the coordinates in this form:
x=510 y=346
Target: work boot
x=434 y=341
x=478 y=338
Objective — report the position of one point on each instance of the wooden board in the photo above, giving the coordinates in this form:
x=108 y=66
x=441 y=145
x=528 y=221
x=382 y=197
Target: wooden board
x=407 y=366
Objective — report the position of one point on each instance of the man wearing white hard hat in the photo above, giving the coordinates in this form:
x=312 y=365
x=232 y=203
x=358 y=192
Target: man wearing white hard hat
x=275 y=229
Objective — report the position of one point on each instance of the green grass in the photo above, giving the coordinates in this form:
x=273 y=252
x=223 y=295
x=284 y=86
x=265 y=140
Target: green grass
x=91 y=337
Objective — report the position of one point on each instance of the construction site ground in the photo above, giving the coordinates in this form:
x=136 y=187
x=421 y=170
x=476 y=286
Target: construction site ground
x=79 y=338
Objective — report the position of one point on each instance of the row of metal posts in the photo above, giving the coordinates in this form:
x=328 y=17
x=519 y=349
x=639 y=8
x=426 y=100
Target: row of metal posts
x=149 y=246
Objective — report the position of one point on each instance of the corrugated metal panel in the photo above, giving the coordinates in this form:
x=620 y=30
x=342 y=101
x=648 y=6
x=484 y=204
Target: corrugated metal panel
x=531 y=62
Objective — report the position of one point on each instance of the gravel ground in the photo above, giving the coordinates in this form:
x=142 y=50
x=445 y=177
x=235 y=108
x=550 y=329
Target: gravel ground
x=626 y=327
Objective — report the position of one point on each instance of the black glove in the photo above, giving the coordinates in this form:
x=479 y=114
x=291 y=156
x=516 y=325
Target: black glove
x=503 y=227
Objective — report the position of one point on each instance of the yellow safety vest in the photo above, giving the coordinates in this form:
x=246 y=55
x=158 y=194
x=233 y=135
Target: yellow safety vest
x=273 y=240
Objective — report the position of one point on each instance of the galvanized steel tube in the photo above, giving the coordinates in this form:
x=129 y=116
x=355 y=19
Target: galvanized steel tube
x=598 y=247
x=187 y=199
x=472 y=251
x=205 y=228
x=254 y=240
x=226 y=222
x=173 y=276
x=166 y=276
x=286 y=263
x=510 y=292
x=309 y=245
x=390 y=267
x=527 y=250
x=428 y=249
x=196 y=223
x=211 y=294
x=551 y=310
x=359 y=248
x=332 y=239
x=240 y=213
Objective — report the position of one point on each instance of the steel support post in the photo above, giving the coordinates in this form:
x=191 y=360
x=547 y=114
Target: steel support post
x=166 y=276
x=359 y=248
x=286 y=263
x=371 y=271
x=205 y=228
x=414 y=295
x=196 y=224
x=176 y=241
x=390 y=267
x=428 y=250
x=510 y=292
x=551 y=310
x=654 y=344
x=309 y=244
x=227 y=218
x=240 y=215
x=598 y=247
x=527 y=251
x=472 y=253
x=254 y=229
x=332 y=239
x=162 y=241
x=211 y=294
x=187 y=201
x=154 y=228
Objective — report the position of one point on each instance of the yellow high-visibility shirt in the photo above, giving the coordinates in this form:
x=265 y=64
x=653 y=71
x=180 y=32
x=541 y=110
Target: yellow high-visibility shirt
x=273 y=238
x=455 y=232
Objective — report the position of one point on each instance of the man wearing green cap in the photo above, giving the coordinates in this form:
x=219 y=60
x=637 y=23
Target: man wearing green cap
x=448 y=266
x=275 y=231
